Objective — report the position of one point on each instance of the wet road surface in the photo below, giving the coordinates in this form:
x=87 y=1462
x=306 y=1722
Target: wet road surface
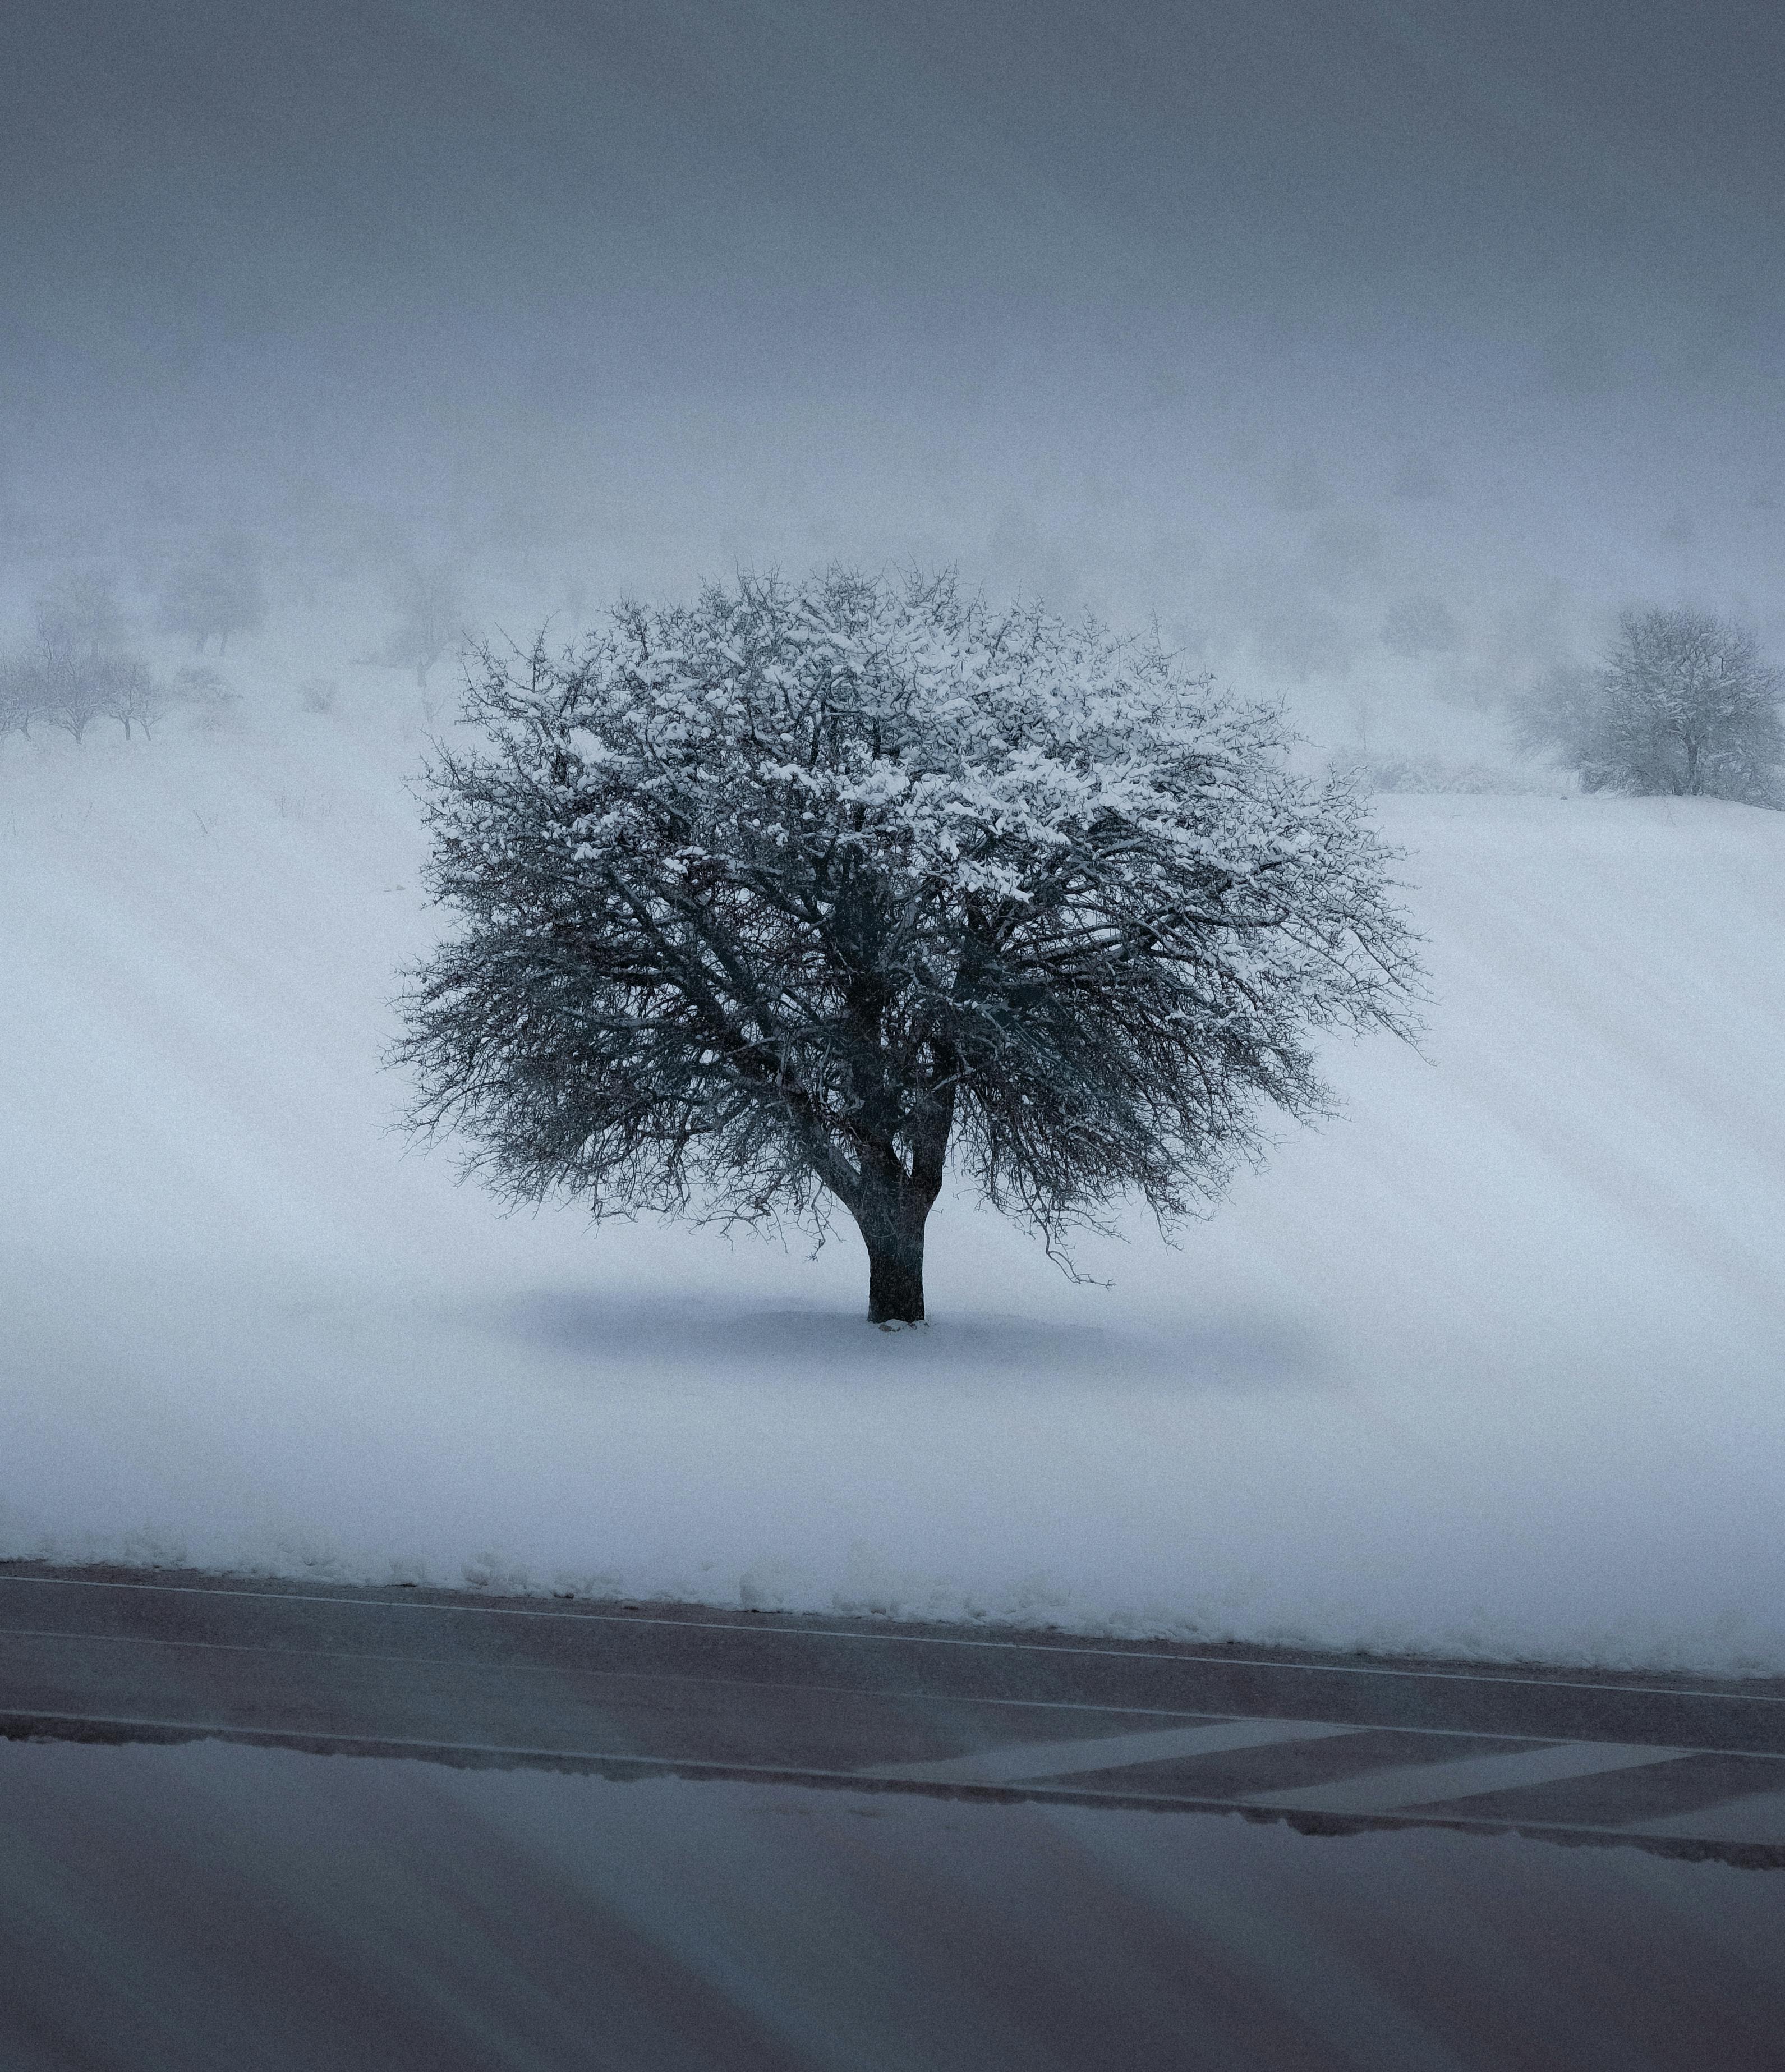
x=586 y=1836
x=1692 y=1766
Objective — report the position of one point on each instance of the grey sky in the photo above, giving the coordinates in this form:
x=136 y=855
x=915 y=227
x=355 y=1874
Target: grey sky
x=1175 y=307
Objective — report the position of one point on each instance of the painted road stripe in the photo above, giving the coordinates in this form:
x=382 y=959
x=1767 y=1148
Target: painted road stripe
x=1758 y=1817
x=362 y=1599
x=1050 y=1759
x=1435 y=1783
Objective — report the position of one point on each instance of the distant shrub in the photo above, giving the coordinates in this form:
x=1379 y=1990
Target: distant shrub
x=213 y=703
x=317 y=694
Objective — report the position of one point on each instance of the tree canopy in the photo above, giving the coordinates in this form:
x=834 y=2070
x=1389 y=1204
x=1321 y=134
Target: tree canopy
x=801 y=893
x=1682 y=704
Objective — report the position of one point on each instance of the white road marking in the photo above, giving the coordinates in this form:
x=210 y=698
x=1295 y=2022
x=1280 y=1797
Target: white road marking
x=345 y=1594
x=1758 y=1817
x=1434 y=1784
x=1050 y=1759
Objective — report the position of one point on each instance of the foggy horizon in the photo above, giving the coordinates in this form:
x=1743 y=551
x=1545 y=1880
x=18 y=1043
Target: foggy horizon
x=1258 y=323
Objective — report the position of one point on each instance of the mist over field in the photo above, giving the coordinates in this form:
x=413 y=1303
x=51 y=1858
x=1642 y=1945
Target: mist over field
x=1377 y=355
x=1284 y=326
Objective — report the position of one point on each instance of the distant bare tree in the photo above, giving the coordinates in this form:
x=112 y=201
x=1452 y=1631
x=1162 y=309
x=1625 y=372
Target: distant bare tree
x=78 y=613
x=215 y=593
x=426 y=600
x=21 y=690
x=132 y=694
x=74 y=692
x=1682 y=704
x=75 y=674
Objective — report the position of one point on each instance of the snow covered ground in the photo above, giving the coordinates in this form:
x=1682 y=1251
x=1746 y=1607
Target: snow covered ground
x=1494 y=1364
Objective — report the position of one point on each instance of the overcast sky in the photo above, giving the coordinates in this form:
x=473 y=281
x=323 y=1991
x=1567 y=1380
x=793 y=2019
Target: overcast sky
x=1190 y=309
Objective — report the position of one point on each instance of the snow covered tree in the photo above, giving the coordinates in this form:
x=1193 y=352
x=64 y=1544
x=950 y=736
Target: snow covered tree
x=1682 y=705
x=800 y=894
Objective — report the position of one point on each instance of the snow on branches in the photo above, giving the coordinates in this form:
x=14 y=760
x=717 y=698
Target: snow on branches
x=807 y=890
x=1684 y=704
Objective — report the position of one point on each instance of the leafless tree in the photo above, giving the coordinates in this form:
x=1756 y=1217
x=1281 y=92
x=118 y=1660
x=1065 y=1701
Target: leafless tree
x=132 y=694
x=69 y=680
x=428 y=624
x=21 y=692
x=73 y=693
x=80 y=615
x=215 y=593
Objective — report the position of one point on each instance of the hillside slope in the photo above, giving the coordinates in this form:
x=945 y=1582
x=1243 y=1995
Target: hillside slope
x=1492 y=1363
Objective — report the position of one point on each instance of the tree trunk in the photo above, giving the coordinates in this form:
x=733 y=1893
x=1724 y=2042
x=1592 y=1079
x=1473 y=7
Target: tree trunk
x=895 y=1283
x=890 y=1214
x=892 y=1203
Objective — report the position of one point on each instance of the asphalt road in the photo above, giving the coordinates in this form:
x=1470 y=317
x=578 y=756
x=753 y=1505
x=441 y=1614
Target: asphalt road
x=1695 y=1768
x=580 y=1835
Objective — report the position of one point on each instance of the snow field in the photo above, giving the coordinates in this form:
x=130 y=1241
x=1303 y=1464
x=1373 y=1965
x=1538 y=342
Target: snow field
x=1489 y=1364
